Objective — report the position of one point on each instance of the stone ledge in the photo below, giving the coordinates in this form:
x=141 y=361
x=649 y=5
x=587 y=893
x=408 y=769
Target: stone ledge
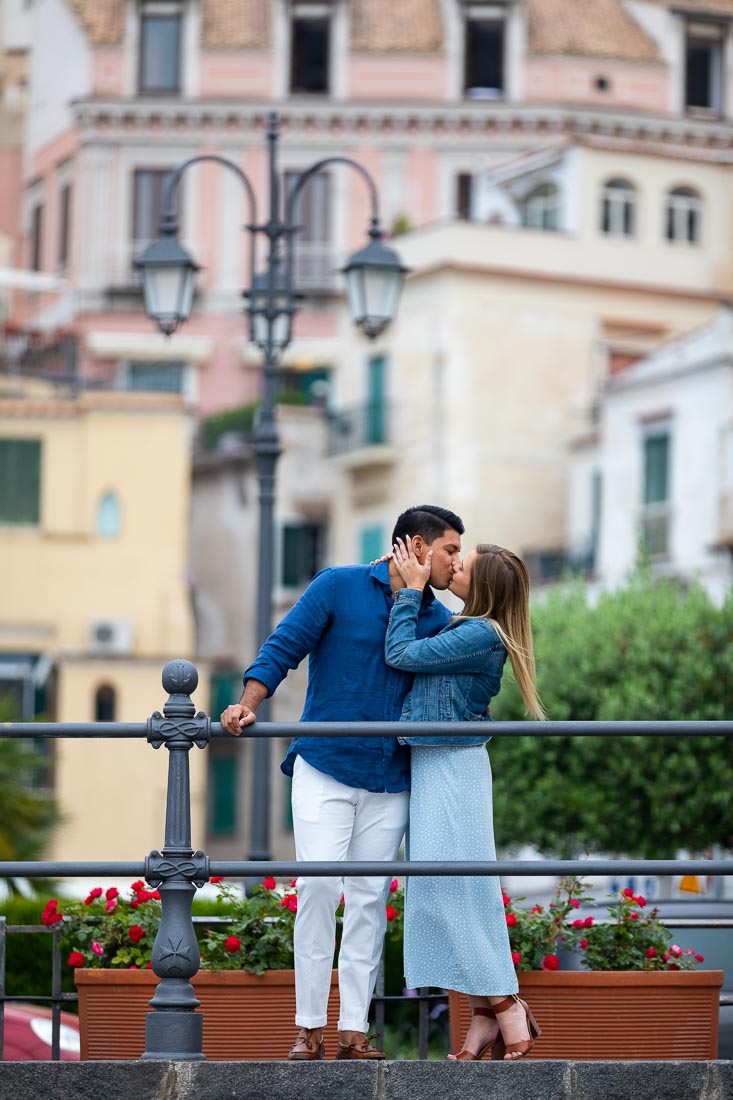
x=362 y=1081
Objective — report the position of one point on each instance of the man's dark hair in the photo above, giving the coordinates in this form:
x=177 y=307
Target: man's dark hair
x=427 y=520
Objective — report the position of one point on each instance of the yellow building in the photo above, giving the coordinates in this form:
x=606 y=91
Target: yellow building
x=94 y=502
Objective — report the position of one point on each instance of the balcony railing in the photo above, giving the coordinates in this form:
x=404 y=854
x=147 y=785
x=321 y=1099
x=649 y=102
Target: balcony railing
x=368 y=425
x=174 y=1028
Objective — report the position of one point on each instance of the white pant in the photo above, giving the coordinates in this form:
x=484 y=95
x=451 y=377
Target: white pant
x=334 y=822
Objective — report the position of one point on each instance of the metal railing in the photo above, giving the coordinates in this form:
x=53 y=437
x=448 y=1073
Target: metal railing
x=174 y=1028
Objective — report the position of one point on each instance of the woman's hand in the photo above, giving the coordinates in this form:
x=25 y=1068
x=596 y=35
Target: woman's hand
x=409 y=568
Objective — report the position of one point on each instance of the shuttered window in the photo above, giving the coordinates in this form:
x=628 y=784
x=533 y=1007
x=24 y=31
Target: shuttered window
x=20 y=480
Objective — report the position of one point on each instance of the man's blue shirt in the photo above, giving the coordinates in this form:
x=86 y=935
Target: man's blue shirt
x=340 y=623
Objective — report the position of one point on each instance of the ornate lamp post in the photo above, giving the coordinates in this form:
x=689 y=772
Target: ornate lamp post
x=374 y=278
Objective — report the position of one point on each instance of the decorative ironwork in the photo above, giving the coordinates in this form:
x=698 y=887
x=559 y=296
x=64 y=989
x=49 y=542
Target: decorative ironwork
x=159 y=868
x=163 y=730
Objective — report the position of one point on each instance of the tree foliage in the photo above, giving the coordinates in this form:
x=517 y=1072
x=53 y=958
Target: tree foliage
x=650 y=650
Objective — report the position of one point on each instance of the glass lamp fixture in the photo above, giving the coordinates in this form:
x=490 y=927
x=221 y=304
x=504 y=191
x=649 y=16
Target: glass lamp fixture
x=169 y=276
x=374 y=277
x=279 y=302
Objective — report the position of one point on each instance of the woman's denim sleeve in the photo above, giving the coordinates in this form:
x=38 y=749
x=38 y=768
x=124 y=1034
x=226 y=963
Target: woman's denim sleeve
x=465 y=647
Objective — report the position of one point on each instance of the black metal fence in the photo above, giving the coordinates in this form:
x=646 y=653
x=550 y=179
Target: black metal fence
x=174 y=1028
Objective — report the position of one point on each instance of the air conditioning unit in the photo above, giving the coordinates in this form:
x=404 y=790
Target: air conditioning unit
x=112 y=636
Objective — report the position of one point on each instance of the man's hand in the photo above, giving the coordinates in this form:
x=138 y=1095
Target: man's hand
x=236 y=717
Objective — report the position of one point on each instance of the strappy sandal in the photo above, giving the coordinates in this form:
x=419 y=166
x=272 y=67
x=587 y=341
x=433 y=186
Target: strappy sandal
x=523 y=1048
x=484 y=1051
x=306 y=1047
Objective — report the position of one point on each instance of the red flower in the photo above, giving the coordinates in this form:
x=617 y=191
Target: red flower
x=149 y=965
x=392 y=912
x=633 y=916
x=285 y=901
x=550 y=962
x=588 y=922
x=574 y=902
x=506 y=899
x=393 y=886
x=628 y=893
x=584 y=944
x=673 y=966
x=640 y=900
x=293 y=903
x=700 y=958
x=511 y=920
x=155 y=894
x=133 y=966
x=269 y=883
x=674 y=950
x=232 y=944
x=95 y=893
x=516 y=957
x=134 y=903
x=111 y=905
x=536 y=909
x=113 y=892
x=579 y=923
x=76 y=959
x=139 y=885
x=216 y=878
x=136 y=933
x=651 y=953
x=50 y=914
x=293 y=882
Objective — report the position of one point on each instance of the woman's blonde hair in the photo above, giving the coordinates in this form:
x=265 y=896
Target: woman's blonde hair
x=498 y=590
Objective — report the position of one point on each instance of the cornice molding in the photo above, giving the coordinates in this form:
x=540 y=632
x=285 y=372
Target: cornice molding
x=110 y=120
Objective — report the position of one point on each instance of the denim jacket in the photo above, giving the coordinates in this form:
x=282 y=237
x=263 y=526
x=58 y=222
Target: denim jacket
x=457 y=673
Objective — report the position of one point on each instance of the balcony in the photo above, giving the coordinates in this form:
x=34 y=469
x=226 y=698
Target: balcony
x=554 y=563
x=362 y=436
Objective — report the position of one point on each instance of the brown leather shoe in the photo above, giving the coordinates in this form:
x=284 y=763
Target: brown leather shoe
x=308 y=1046
x=360 y=1049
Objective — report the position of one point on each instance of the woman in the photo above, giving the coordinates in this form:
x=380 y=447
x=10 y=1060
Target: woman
x=455 y=928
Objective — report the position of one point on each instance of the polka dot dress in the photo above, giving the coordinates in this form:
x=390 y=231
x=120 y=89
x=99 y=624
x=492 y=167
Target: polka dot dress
x=455 y=929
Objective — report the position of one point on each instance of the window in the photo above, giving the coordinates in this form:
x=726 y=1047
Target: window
x=303 y=553
x=223 y=788
x=655 y=491
x=36 y=241
x=147 y=203
x=464 y=194
x=683 y=215
x=155 y=377
x=313 y=251
x=109 y=516
x=375 y=426
x=20 y=480
x=306 y=387
x=618 y=209
x=309 y=54
x=105 y=704
x=64 y=224
x=704 y=66
x=484 y=57
x=539 y=209
x=160 y=54
x=596 y=503
x=373 y=542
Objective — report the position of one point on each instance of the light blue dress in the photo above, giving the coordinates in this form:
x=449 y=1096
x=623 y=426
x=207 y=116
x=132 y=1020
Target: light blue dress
x=455 y=927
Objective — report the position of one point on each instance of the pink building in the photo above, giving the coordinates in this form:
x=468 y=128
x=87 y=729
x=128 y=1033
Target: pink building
x=426 y=94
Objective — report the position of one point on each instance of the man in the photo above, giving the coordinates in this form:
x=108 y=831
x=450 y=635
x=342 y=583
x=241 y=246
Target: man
x=350 y=795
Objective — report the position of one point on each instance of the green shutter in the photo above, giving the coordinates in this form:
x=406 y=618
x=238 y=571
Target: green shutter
x=223 y=785
x=373 y=540
x=20 y=480
x=656 y=468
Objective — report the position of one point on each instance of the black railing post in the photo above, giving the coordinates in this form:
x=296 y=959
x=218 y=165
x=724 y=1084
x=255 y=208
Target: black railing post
x=174 y=1030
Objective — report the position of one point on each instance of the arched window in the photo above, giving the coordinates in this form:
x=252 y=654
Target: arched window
x=618 y=208
x=109 y=516
x=105 y=704
x=539 y=209
x=683 y=215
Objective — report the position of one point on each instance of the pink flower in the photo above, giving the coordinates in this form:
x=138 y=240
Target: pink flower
x=574 y=902
x=651 y=953
x=269 y=883
x=392 y=912
x=293 y=903
x=673 y=949
x=393 y=886
x=536 y=909
x=516 y=957
x=588 y=922
x=97 y=947
x=584 y=944
x=700 y=958
x=111 y=905
x=633 y=916
x=133 y=966
x=579 y=923
x=550 y=962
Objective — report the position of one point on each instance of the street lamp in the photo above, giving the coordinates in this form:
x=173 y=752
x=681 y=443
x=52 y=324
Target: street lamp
x=374 y=278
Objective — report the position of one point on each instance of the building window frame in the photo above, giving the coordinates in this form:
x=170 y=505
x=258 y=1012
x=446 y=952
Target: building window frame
x=165 y=19
x=105 y=703
x=683 y=216
x=656 y=488
x=540 y=207
x=619 y=206
x=308 y=18
x=704 y=65
x=303 y=552
x=487 y=20
x=21 y=475
x=64 y=237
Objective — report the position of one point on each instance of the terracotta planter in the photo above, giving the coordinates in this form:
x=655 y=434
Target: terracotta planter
x=245 y=1017
x=616 y=1015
